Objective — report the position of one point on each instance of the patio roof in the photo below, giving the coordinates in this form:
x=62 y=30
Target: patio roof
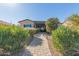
x=39 y=22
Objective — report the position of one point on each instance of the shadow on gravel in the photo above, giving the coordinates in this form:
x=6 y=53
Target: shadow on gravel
x=36 y=42
x=23 y=52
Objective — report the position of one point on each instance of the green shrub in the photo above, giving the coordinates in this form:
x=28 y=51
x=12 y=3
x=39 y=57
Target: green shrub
x=65 y=40
x=32 y=31
x=51 y=24
x=12 y=38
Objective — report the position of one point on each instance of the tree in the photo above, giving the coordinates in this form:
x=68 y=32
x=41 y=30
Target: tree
x=51 y=24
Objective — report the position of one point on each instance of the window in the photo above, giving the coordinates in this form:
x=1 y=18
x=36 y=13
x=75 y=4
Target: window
x=27 y=25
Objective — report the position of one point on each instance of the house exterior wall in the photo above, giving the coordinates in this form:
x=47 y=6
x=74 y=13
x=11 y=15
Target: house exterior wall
x=4 y=23
x=26 y=22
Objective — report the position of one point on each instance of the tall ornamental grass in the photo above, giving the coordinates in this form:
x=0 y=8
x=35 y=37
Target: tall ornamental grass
x=12 y=38
x=65 y=40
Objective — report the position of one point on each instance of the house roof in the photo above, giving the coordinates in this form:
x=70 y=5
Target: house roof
x=24 y=20
x=36 y=22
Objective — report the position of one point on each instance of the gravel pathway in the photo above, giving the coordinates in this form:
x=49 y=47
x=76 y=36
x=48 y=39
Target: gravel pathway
x=38 y=47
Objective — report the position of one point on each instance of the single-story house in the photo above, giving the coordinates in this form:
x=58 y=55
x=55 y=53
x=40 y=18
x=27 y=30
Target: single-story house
x=32 y=24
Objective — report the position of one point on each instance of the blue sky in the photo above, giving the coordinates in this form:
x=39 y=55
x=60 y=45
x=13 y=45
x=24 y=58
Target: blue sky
x=15 y=12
